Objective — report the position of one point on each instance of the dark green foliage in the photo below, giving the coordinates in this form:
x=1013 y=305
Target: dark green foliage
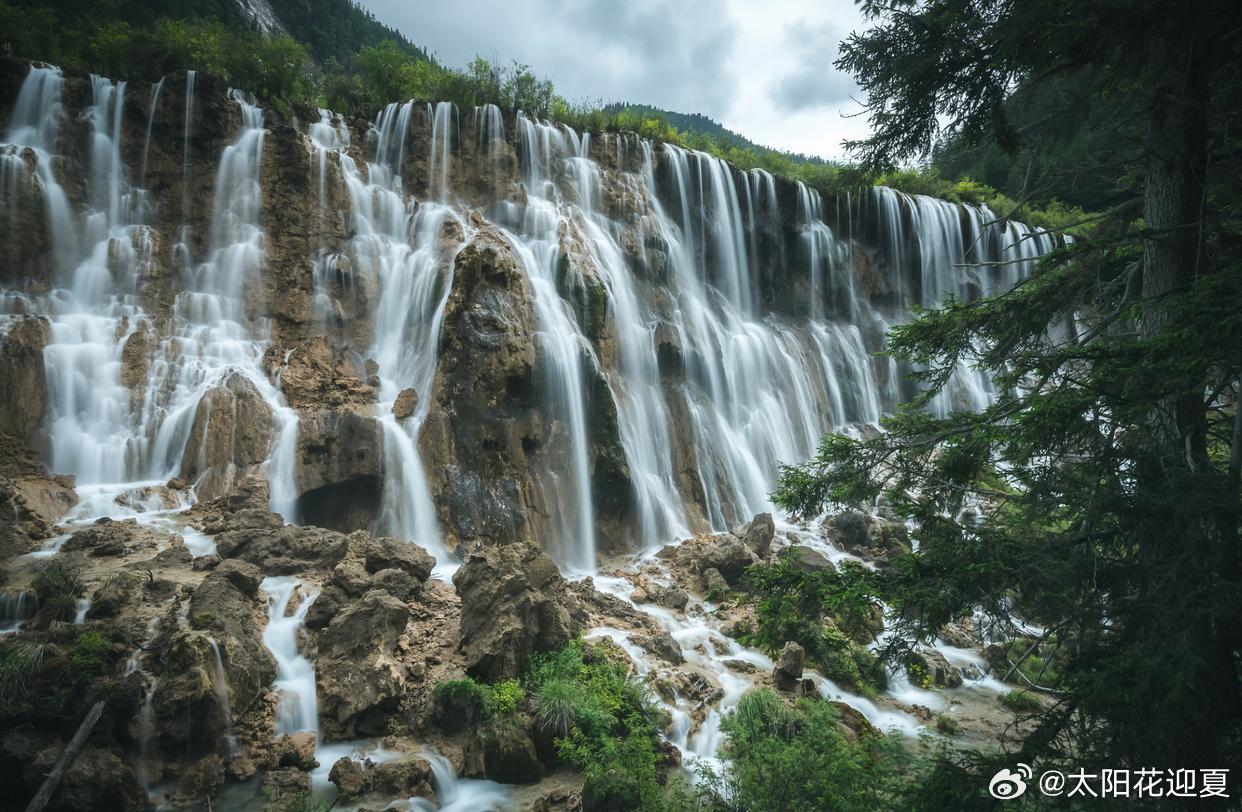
x=1022 y=702
x=1099 y=496
x=830 y=613
x=57 y=588
x=49 y=678
x=604 y=723
x=800 y=760
x=460 y=703
x=464 y=703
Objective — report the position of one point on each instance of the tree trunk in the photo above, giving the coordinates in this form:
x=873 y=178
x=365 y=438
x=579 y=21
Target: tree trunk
x=41 y=798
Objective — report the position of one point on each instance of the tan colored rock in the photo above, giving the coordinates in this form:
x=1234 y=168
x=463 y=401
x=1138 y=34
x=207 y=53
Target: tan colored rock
x=22 y=377
x=405 y=404
x=514 y=603
x=359 y=674
x=232 y=432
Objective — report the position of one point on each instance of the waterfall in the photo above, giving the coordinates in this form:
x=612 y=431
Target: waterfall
x=455 y=794
x=737 y=326
x=146 y=737
x=15 y=610
x=398 y=243
x=537 y=246
x=220 y=681
x=297 y=709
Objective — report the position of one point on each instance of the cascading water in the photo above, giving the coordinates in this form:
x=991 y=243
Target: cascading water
x=220 y=681
x=537 y=246
x=297 y=709
x=399 y=244
x=753 y=384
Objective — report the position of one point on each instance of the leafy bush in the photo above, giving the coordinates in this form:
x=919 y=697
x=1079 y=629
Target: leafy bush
x=800 y=759
x=604 y=723
x=824 y=611
x=503 y=698
x=1020 y=701
x=57 y=589
x=460 y=703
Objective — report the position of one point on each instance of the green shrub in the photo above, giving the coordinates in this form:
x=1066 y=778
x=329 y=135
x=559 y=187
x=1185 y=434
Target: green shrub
x=603 y=722
x=799 y=759
x=503 y=698
x=824 y=611
x=460 y=703
x=947 y=725
x=57 y=589
x=1021 y=701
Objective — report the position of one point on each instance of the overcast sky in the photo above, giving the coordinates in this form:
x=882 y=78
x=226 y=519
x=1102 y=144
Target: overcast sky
x=763 y=69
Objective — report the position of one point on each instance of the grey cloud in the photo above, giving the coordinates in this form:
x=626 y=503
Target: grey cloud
x=675 y=56
x=815 y=83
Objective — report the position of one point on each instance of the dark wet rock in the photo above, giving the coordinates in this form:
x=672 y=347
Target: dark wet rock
x=758 y=533
x=201 y=781
x=508 y=752
x=809 y=560
x=284 y=550
x=869 y=537
x=285 y=789
x=389 y=553
x=788 y=670
x=714 y=584
x=662 y=645
x=22 y=377
x=293 y=750
x=114 y=594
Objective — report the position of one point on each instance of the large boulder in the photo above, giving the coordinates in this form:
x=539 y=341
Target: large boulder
x=514 y=603
x=723 y=552
x=869 y=537
x=758 y=533
x=359 y=673
x=231 y=433
x=508 y=753
x=224 y=607
x=788 y=670
x=279 y=549
x=22 y=378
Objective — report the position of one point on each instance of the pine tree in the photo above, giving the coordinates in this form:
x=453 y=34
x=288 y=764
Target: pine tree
x=1099 y=495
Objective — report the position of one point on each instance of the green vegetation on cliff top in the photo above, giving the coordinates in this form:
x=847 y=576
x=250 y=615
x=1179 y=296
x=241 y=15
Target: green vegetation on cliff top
x=334 y=55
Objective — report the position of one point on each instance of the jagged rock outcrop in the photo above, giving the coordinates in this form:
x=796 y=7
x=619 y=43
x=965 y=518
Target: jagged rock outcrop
x=484 y=435
x=514 y=603
x=23 y=379
x=231 y=433
x=868 y=536
x=360 y=677
x=227 y=606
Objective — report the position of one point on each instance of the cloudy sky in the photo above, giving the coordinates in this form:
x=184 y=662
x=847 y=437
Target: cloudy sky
x=763 y=69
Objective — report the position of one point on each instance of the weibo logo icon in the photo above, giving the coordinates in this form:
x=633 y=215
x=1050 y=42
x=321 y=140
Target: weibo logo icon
x=1007 y=784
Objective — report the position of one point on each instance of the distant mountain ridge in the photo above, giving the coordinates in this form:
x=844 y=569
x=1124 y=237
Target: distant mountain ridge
x=699 y=124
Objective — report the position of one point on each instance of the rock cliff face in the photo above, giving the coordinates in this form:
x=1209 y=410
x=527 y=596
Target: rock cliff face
x=267 y=385
x=598 y=328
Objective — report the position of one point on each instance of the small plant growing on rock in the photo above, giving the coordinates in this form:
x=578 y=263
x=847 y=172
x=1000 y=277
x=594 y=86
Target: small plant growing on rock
x=947 y=725
x=503 y=698
x=460 y=703
x=1021 y=701
x=57 y=589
